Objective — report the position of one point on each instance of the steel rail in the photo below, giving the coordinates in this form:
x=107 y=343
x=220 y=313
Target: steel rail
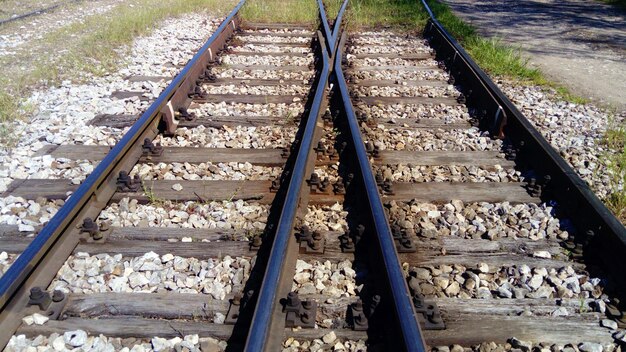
x=331 y=35
x=258 y=338
x=330 y=43
x=411 y=334
x=593 y=220
x=337 y=24
x=26 y=263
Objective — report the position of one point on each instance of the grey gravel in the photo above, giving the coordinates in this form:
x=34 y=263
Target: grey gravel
x=81 y=341
x=230 y=137
x=328 y=342
x=522 y=281
x=326 y=218
x=205 y=171
x=574 y=130
x=222 y=215
x=451 y=173
x=271 y=109
x=406 y=91
x=233 y=59
x=245 y=89
x=225 y=72
x=329 y=279
x=436 y=139
x=384 y=61
x=273 y=39
x=264 y=48
x=403 y=75
x=479 y=220
x=84 y=273
x=389 y=113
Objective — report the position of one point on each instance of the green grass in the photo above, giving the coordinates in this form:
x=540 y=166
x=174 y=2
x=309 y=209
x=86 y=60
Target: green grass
x=97 y=51
x=280 y=11
x=399 y=14
x=11 y=110
x=615 y=161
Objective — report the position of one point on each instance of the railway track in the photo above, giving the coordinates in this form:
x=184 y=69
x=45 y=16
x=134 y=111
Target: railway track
x=35 y=12
x=317 y=190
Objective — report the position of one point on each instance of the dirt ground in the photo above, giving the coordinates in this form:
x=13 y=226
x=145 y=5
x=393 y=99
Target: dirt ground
x=579 y=44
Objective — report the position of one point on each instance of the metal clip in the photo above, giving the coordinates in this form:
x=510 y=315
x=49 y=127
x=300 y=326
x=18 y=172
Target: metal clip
x=317 y=184
x=90 y=227
x=332 y=153
x=348 y=180
x=310 y=241
x=546 y=186
x=299 y=313
x=208 y=76
x=346 y=243
x=198 y=93
x=186 y=115
x=275 y=185
x=320 y=150
x=510 y=151
x=342 y=147
x=52 y=305
x=533 y=188
x=339 y=188
x=94 y=231
x=380 y=179
x=237 y=304
x=359 y=319
x=127 y=184
x=256 y=242
x=349 y=241
x=428 y=313
x=361 y=315
x=404 y=241
x=39 y=297
x=150 y=149
x=362 y=117
x=387 y=188
x=372 y=149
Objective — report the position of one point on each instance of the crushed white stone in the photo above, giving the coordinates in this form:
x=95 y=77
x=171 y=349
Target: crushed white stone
x=84 y=273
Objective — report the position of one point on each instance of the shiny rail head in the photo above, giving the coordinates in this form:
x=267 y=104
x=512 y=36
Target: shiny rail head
x=411 y=334
x=259 y=333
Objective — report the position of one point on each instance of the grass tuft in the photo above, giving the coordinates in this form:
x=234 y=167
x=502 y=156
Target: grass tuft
x=96 y=52
x=615 y=161
x=280 y=11
x=397 y=14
